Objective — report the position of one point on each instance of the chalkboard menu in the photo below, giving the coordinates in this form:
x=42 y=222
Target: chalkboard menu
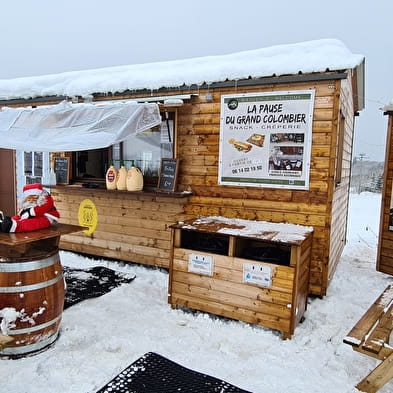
x=168 y=174
x=62 y=169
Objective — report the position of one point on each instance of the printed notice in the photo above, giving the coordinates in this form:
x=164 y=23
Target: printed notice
x=257 y=274
x=201 y=264
x=265 y=139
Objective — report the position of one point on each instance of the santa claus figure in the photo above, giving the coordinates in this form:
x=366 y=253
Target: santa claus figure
x=37 y=211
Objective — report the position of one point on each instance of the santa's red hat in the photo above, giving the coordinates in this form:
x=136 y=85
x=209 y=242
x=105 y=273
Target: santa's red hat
x=32 y=189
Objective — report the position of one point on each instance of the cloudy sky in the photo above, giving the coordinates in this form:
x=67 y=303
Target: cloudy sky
x=46 y=37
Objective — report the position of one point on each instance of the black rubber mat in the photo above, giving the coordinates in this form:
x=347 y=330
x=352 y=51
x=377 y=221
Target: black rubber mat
x=89 y=283
x=153 y=373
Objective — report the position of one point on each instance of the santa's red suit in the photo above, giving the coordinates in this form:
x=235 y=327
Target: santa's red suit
x=38 y=211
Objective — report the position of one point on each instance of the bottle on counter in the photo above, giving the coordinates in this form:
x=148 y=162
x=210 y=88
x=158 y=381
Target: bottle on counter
x=52 y=174
x=122 y=177
x=134 y=179
x=111 y=177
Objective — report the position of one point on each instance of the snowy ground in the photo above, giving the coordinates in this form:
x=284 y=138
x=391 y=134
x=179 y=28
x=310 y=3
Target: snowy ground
x=102 y=336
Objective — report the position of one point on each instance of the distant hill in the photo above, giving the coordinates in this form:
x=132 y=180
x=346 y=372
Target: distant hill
x=366 y=175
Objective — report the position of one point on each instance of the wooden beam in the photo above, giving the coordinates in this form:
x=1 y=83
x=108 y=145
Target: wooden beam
x=382 y=374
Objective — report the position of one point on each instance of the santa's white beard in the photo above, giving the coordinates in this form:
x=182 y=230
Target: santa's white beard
x=26 y=204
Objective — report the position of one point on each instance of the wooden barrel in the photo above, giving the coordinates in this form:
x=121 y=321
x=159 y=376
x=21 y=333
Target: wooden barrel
x=31 y=301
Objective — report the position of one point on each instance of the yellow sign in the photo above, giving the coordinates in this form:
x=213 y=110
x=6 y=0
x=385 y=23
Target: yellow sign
x=87 y=216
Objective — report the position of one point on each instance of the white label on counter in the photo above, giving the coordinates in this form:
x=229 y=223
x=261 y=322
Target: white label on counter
x=257 y=274
x=201 y=264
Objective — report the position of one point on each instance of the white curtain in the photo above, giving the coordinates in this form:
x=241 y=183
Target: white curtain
x=74 y=127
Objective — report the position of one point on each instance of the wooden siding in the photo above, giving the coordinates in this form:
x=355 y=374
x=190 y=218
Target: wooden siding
x=198 y=141
x=131 y=227
x=385 y=245
x=339 y=209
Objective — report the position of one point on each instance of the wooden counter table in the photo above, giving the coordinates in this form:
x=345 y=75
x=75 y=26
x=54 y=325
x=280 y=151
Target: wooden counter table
x=31 y=289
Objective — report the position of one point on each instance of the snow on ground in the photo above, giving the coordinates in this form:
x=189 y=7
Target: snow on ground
x=102 y=336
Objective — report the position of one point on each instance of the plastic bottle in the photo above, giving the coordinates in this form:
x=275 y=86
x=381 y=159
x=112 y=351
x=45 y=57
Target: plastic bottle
x=122 y=177
x=134 y=180
x=111 y=177
x=52 y=174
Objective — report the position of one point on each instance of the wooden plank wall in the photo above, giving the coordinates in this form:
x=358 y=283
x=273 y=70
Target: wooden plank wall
x=131 y=227
x=341 y=190
x=385 y=245
x=198 y=143
x=225 y=293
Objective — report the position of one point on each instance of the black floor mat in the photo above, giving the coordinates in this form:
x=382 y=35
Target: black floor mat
x=153 y=373
x=89 y=283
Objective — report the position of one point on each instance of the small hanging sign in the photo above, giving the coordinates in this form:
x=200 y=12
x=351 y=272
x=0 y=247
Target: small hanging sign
x=257 y=274
x=200 y=264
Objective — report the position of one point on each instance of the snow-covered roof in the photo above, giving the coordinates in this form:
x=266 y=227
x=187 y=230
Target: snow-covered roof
x=304 y=57
x=388 y=107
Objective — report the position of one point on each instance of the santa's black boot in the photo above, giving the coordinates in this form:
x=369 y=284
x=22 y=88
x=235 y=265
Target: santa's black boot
x=6 y=224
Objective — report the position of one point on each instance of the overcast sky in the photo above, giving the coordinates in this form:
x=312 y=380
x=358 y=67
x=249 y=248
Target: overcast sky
x=45 y=37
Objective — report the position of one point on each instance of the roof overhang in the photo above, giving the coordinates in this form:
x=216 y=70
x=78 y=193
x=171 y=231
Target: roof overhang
x=359 y=87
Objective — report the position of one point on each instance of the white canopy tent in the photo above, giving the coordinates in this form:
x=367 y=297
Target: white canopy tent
x=74 y=127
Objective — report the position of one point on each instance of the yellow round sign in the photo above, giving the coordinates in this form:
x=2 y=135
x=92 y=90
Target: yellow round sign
x=87 y=216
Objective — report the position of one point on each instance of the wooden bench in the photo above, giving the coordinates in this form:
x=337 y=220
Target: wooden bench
x=371 y=336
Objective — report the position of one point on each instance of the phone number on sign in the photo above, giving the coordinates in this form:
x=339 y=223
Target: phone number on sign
x=247 y=169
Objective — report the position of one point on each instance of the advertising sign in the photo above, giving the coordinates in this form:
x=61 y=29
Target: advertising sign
x=265 y=139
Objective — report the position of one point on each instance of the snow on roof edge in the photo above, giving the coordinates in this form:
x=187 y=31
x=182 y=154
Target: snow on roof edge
x=305 y=57
x=388 y=107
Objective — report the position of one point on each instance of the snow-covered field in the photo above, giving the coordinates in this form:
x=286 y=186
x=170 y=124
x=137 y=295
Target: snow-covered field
x=100 y=337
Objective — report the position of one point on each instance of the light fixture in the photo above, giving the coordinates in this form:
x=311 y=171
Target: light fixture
x=173 y=102
x=209 y=97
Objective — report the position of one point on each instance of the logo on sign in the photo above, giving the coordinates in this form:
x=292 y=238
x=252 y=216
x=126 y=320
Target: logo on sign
x=87 y=216
x=111 y=176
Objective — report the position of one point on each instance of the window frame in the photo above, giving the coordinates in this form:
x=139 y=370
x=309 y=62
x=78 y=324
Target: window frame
x=167 y=115
x=340 y=149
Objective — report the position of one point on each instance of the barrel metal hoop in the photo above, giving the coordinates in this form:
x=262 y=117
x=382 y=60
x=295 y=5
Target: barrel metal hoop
x=29 y=348
x=33 y=328
x=29 y=265
x=31 y=287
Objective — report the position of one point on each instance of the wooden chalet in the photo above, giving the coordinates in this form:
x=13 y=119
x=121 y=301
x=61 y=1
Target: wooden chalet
x=135 y=226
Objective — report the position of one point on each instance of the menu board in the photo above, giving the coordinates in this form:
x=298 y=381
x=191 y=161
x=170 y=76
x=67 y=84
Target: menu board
x=62 y=170
x=168 y=174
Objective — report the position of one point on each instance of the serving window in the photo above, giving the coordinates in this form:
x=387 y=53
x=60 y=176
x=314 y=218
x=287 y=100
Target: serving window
x=145 y=150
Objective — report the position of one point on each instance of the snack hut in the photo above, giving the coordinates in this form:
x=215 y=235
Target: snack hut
x=263 y=135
